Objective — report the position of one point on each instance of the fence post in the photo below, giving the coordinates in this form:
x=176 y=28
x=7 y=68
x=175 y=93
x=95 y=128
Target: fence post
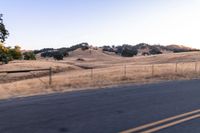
x=125 y=70
x=196 y=67
x=152 y=70
x=91 y=74
x=50 y=76
x=176 y=68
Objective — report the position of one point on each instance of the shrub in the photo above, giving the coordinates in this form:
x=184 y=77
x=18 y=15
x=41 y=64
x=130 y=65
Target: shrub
x=3 y=58
x=145 y=53
x=15 y=53
x=58 y=56
x=7 y=53
x=128 y=51
x=108 y=48
x=29 y=56
x=154 y=51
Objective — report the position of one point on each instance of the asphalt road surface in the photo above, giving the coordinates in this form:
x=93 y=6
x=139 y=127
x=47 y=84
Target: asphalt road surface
x=170 y=107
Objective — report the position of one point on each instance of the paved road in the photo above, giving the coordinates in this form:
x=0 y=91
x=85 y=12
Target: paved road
x=108 y=110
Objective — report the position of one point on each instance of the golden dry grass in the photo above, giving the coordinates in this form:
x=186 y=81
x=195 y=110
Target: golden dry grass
x=26 y=65
x=18 y=65
x=116 y=71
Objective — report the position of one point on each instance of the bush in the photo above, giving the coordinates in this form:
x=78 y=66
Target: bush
x=4 y=59
x=83 y=46
x=145 y=53
x=47 y=54
x=128 y=51
x=108 y=49
x=155 y=51
x=29 y=56
x=7 y=53
x=86 y=47
x=15 y=53
x=58 y=56
x=42 y=50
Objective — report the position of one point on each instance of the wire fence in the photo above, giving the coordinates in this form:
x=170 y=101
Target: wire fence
x=116 y=74
x=129 y=73
x=31 y=72
x=128 y=70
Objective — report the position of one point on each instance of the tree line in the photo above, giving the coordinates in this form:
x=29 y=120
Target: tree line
x=130 y=50
x=144 y=49
x=59 y=54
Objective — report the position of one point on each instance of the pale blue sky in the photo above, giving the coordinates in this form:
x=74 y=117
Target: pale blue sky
x=35 y=24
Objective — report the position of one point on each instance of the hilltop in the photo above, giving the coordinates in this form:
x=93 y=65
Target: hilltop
x=85 y=50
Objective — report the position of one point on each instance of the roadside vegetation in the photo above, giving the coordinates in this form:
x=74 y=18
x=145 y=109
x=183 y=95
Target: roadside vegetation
x=96 y=69
x=8 y=53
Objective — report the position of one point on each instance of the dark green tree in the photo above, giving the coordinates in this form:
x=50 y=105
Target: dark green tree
x=29 y=56
x=58 y=55
x=3 y=31
x=155 y=51
x=128 y=51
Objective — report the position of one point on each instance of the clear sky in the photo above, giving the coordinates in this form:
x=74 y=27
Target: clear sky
x=35 y=24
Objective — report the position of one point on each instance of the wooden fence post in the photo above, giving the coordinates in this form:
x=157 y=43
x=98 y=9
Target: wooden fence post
x=125 y=70
x=50 y=76
x=196 y=64
x=176 y=68
x=152 y=70
x=91 y=74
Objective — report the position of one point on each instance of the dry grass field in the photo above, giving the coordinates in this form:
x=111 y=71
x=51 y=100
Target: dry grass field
x=95 y=70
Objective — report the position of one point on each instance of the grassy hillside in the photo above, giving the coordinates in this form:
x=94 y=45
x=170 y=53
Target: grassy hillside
x=123 y=50
x=72 y=74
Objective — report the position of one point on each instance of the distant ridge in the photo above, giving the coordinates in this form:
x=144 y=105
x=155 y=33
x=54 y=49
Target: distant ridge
x=125 y=50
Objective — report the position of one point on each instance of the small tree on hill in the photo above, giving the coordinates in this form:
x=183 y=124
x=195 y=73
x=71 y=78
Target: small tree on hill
x=155 y=51
x=58 y=56
x=128 y=51
x=29 y=56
